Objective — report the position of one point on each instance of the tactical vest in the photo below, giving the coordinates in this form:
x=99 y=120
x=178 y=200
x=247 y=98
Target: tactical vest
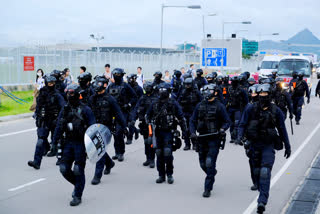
x=189 y=100
x=85 y=95
x=117 y=91
x=299 y=89
x=199 y=82
x=207 y=117
x=177 y=84
x=164 y=115
x=262 y=125
x=78 y=128
x=280 y=99
x=144 y=106
x=49 y=105
x=235 y=97
x=102 y=110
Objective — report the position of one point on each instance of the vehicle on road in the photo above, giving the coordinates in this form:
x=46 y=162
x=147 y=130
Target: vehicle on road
x=268 y=64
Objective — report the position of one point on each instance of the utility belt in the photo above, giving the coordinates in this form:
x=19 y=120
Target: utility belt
x=266 y=136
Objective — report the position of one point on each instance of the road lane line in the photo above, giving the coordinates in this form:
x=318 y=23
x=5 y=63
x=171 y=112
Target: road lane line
x=19 y=132
x=25 y=185
x=274 y=180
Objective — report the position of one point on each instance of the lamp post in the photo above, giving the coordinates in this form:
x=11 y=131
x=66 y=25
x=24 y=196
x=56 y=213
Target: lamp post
x=161 y=33
x=223 y=23
x=270 y=34
x=203 y=23
x=97 y=38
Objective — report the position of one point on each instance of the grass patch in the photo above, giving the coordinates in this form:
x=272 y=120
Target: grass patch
x=10 y=107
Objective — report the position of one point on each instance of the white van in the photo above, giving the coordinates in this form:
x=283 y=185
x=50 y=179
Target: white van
x=268 y=64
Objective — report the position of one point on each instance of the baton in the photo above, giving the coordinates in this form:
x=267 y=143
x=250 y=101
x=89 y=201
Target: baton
x=291 y=126
x=210 y=134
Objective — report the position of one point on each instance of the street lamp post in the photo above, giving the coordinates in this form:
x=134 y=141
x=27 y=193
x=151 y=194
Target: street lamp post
x=204 y=36
x=161 y=33
x=270 y=34
x=97 y=38
x=223 y=23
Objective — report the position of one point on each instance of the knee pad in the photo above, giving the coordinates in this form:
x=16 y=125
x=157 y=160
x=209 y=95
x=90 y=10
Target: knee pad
x=63 y=169
x=76 y=170
x=208 y=162
x=40 y=142
x=256 y=171
x=158 y=152
x=264 y=173
x=167 y=152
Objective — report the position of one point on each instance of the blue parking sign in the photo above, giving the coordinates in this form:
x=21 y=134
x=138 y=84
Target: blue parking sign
x=213 y=57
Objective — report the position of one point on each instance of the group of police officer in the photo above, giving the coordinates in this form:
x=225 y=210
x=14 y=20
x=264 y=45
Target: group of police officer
x=203 y=107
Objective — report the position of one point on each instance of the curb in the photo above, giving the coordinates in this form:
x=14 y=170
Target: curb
x=306 y=198
x=15 y=117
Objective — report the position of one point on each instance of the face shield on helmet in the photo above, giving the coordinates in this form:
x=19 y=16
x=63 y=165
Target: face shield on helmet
x=118 y=74
x=264 y=91
x=164 y=91
x=188 y=83
x=148 y=87
x=209 y=91
x=253 y=94
x=219 y=80
x=157 y=76
x=73 y=94
x=100 y=84
x=199 y=72
x=50 y=82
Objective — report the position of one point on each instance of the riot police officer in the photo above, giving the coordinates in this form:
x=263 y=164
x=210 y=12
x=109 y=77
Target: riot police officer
x=274 y=74
x=74 y=119
x=188 y=100
x=225 y=89
x=164 y=113
x=49 y=104
x=132 y=80
x=263 y=121
x=282 y=98
x=243 y=81
x=84 y=81
x=211 y=78
x=238 y=99
x=126 y=98
x=59 y=85
x=251 y=81
x=299 y=88
x=200 y=81
x=105 y=108
x=176 y=83
x=253 y=94
x=139 y=112
x=157 y=81
x=211 y=120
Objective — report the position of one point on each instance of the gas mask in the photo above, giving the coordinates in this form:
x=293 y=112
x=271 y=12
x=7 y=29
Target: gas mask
x=264 y=101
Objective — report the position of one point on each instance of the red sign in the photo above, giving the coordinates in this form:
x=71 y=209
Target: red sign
x=28 y=63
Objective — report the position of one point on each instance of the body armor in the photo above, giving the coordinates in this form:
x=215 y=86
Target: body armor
x=280 y=99
x=164 y=115
x=199 y=81
x=48 y=105
x=207 y=117
x=101 y=109
x=189 y=100
x=74 y=123
x=299 y=88
x=235 y=97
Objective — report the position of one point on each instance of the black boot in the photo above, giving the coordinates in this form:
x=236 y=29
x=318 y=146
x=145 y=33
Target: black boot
x=53 y=151
x=261 y=208
x=152 y=164
x=146 y=163
x=33 y=164
x=107 y=171
x=95 y=180
x=115 y=157
x=75 y=201
x=136 y=134
x=170 y=179
x=120 y=157
x=254 y=187
x=297 y=122
x=129 y=142
x=161 y=179
x=186 y=148
x=206 y=194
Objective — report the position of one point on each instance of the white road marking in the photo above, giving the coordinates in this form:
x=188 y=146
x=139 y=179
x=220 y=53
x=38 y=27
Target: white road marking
x=25 y=185
x=274 y=180
x=19 y=132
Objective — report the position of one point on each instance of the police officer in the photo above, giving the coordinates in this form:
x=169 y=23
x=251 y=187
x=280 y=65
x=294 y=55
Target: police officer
x=132 y=80
x=282 y=98
x=243 y=81
x=225 y=89
x=157 y=81
x=200 y=81
x=139 y=112
x=238 y=99
x=188 y=99
x=299 y=88
x=253 y=94
x=59 y=85
x=74 y=119
x=126 y=98
x=84 y=81
x=211 y=78
x=105 y=109
x=163 y=113
x=274 y=74
x=263 y=121
x=176 y=83
x=251 y=81
x=209 y=118
x=49 y=104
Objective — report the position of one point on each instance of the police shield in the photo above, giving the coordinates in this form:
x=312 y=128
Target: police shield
x=96 y=139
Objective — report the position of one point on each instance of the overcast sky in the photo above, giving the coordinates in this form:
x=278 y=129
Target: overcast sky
x=138 y=21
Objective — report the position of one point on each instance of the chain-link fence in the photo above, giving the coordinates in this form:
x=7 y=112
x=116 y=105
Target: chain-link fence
x=12 y=62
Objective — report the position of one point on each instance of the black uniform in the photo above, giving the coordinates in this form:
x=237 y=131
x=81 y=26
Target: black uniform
x=283 y=100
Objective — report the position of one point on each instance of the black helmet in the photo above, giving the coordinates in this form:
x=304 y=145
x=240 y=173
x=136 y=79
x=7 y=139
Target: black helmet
x=132 y=78
x=300 y=74
x=118 y=72
x=188 y=83
x=164 y=90
x=49 y=79
x=199 y=72
x=246 y=74
x=208 y=91
x=226 y=78
x=295 y=74
x=73 y=94
x=177 y=73
x=214 y=74
x=264 y=88
x=235 y=79
x=264 y=101
x=242 y=78
x=84 y=78
x=99 y=83
x=57 y=74
x=157 y=73
x=148 y=87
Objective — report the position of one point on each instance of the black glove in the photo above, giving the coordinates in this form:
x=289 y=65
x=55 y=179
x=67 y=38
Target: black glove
x=193 y=136
x=291 y=116
x=308 y=101
x=287 y=153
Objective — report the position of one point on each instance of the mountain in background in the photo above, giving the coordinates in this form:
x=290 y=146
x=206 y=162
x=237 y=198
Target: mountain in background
x=304 y=37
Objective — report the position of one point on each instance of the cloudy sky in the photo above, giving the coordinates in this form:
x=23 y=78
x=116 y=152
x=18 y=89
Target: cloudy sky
x=138 y=21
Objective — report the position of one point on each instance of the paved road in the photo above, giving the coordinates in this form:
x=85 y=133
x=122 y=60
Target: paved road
x=131 y=188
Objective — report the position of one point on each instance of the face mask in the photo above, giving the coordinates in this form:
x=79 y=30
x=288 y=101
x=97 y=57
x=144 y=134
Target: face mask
x=117 y=79
x=294 y=76
x=73 y=100
x=163 y=95
x=83 y=84
x=255 y=99
x=157 y=78
x=210 y=81
x=300 y=78
x=219 y=82
x=234 y=84
x=198 y=75
x=264 y=101
x=51 y=88
x=39 y=74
